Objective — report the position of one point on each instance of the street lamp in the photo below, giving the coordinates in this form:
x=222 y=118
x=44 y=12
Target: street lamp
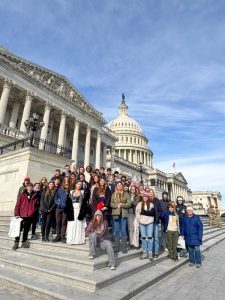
x=141 y=171
x=33 y=125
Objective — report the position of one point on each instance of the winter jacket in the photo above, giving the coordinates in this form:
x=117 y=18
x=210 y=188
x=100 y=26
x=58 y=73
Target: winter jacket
x=101 y=237
x=164 y=207
x=125 y=200
x=157 y=211
x=97 y=199
x=166 y=220
x=26 y=205
x=192 y=230
x=145 y=219
x=69 y=210
x=134 y=203
x=47 y=202
x=61 y=198
x=181 y=210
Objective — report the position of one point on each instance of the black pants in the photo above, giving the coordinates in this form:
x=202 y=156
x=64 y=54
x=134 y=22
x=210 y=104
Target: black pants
x=61 y=222
x=25 y=227
x=46 y=223
x=34 y=222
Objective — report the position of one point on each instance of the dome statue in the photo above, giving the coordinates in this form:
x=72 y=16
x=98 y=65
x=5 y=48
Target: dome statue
x=132 y=144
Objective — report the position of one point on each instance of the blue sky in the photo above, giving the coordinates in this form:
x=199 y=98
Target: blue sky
x=166 y=56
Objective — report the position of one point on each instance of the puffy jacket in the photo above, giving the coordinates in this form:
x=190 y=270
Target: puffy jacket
x=166 y=220
x=192 y=230
x=61 y=197
x=125 y=200
x=26 y=205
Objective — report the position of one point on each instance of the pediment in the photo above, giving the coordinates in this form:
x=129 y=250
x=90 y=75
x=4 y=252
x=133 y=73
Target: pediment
x=179 y=176
x=50 y=80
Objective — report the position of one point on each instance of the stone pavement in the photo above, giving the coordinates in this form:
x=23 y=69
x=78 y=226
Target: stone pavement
x=206 y=283
x=7 y=293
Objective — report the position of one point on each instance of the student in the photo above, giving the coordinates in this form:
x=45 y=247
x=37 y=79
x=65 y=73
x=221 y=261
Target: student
x=120 y=202
x=171 y=228
x=101 y=195
x=37 y=190
x=26 y=206
x=181 y=210
x=192 y=231
x=47 y=209
x=164 y=202
x=146 y=224
x=96 y=231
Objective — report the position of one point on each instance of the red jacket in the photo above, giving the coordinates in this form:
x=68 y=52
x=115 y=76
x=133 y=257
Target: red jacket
x=26 y=207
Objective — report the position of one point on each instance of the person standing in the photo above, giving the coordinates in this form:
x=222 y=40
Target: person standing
x=120 y=202
x=192 y=231
x=47 y=209
x=218 y=218
x=164 y=202
x=76 y=210
x=23 y=187
x=133 y=228
x=211 y=214
x=101 y=196
x=171 y=228
x=146 y=223
x=97 y=230
x=35 y=218
x=181 y=210
x=26 y=206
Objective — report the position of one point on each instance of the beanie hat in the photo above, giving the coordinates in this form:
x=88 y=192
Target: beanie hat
x=190 y=208
x=98 y=212
x=180 y=198
x=27 y=179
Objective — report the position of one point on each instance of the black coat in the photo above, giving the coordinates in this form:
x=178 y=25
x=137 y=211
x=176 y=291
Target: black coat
x=96 y=199
x=47 y=203
x=83 y=207
x=157 y=211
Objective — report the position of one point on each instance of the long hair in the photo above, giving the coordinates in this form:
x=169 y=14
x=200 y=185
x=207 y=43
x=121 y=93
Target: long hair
x=95 y=223
x=119 y=194
x=65 y=185
x=145 y=202
x=50 y=192
x=101 y=189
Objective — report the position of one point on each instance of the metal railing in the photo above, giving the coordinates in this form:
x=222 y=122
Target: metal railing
x=38 y=143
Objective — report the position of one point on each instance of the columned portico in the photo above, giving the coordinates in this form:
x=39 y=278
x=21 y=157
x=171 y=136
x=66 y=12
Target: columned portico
x=4 y=99
x=44 y=130
x=61 y=131
x=75 y=141
x=87 y=147
x=98 y=151
x=26 y=110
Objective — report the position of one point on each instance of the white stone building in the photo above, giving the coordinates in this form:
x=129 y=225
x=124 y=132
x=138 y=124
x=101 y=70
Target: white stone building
x=202 y=200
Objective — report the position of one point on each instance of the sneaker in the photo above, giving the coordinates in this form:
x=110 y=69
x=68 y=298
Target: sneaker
x=191 y=265
x=91 y=256
x=57 y=239
x=47 y=239
x=198 y=266
x=144 y=255
x=150 y=256
x=33 y=237
x=176 y=259
x=25 y=245
x=43 y=239
x=112 y=267
x=64 y=240
x=156 y=255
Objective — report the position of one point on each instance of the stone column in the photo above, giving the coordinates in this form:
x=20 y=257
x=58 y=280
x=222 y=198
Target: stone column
x=125 y=154
x=135 y=157
x=98 y=151
x=62 y=128
x=14 y=116
x=44 y=130
x=87 y=147
x=104 y=154
x=130 y=156
x=4 y=99
x=26 y=110
x=75 y=141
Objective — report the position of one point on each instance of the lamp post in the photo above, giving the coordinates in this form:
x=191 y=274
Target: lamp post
x=33 y=125
x=141 y=172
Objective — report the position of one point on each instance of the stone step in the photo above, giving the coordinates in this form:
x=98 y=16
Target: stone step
x=78 y=277
x=124 y=289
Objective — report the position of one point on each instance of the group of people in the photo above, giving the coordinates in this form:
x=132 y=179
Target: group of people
x=214 y=217
x=84 y=202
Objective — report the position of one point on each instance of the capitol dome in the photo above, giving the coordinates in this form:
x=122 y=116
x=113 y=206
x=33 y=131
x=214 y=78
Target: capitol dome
x=132 y=143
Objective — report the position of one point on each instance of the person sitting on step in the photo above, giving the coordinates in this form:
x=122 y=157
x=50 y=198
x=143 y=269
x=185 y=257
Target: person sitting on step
x=96 y=231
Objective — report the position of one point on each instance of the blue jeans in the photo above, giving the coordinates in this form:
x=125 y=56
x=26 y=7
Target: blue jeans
x=120 y=226
x=147 y=237
x=194 y=255
x=156 y=239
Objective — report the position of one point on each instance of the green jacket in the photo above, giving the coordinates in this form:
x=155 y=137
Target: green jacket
x=126 y=203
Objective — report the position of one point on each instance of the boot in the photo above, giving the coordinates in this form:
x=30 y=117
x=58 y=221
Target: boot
x=43 y=238
x=16 y=246
x=117 y=245
x=63 y=239
x=124 y=244
x=57 y=239
x=25 y=245
x=150 y=256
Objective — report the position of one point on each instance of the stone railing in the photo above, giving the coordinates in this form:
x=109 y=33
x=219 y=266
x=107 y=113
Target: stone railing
x=12 y=132
x=109 y=132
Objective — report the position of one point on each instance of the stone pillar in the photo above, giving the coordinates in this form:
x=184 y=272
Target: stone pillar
x=15 y=113
x=125 y=154
x=4 y=99
x=44 y=130
x=62 y=128
x=75 y=141
x=104 y=153
x=26 y=110
x=98 y=151
x=135 y=157
x=130 y=156
x=87 y=147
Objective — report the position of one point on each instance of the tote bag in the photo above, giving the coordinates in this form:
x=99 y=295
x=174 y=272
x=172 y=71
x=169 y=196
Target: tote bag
x=181 y=243
x=14 y=229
